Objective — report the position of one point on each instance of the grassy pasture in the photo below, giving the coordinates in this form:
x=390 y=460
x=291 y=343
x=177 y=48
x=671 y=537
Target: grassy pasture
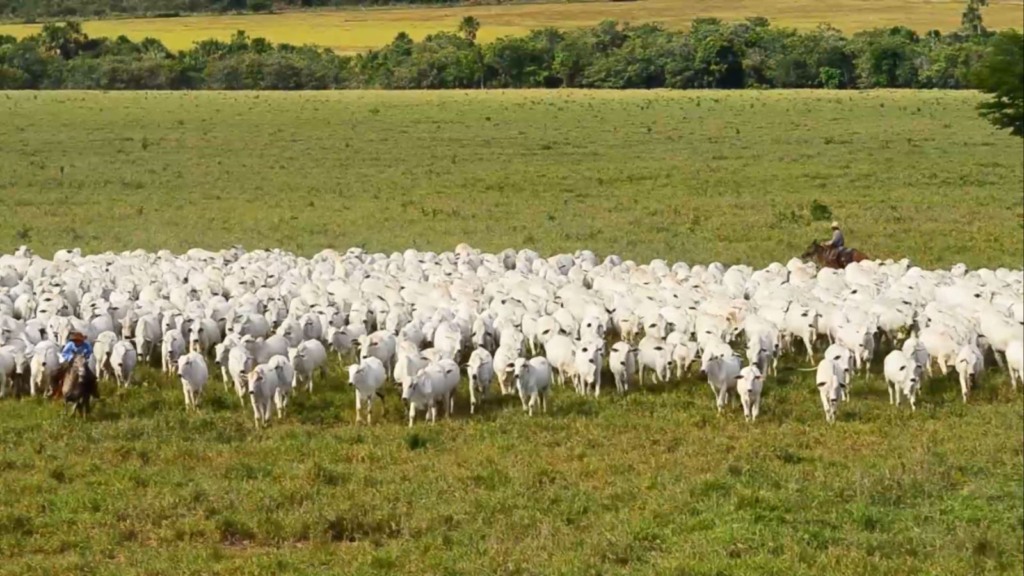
x=358 y=30
x=684 y=176
x=652 y=483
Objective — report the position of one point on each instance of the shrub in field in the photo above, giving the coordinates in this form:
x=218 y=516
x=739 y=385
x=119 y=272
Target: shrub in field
x=820 y=211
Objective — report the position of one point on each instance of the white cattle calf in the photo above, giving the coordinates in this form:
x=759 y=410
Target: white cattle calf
x=902 y=377
x=969 y=364
x=367 y=377
x=480 y=370
x=193 y=374
x=533 y=380
x=749 y=384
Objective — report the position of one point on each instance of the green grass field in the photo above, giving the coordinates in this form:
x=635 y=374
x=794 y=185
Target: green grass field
x=685 y=176
x=358 y=30
x=652 y=483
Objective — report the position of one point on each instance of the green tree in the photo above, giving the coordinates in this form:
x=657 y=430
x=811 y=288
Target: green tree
x=970 y=20
x=1001 y=74
x=469 y=27
x=64 y=39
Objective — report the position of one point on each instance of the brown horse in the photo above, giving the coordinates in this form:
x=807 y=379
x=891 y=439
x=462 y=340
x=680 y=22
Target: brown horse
x=826 y=257
x=78 y=385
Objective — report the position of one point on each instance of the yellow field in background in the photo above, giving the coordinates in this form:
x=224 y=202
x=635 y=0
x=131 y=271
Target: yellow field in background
x=357 y=30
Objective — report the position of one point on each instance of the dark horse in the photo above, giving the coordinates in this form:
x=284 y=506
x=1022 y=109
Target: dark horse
x=78 y=385
x=826 y=257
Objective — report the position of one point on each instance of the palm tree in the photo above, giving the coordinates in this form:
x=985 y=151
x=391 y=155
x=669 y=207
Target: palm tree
x=469 y=27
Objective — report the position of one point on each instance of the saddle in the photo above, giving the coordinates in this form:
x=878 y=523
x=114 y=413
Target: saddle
x=842 y=256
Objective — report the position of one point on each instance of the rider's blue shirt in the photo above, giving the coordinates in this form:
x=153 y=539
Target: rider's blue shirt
x=70 y=349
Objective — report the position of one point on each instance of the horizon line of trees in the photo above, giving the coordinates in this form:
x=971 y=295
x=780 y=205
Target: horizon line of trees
x=40 y=10
x=613 y=55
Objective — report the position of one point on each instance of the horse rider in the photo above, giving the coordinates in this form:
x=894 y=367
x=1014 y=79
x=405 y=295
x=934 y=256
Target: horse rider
x=77 y=345
x=837 y=242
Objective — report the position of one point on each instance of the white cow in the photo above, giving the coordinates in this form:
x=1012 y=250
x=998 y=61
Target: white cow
x=1015 y=362
x=380 y=345
x=622 y=363
x=148 y=336
x=533 y=381
x=344 y=340
x=171 y=349
x=480 y=370
x=123 y=359
x=240 y=363
x=504 y=364
x=193 y=374
x=262 y=384
x=588 y=360
x=101 y=349
x=749 y=384
x=367 y=377
x=309 y=357
x=902 y=377
x=560 y=353
x=914 y=349
x=970 y=362
x=431 y=385
x=722 y=370
x=282 y=366
x=654 y=354
x=43 y=365
x=831 y=378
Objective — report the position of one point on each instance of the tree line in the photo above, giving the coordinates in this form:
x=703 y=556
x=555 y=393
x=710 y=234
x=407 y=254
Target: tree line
x=710 y=54
x=35 y=10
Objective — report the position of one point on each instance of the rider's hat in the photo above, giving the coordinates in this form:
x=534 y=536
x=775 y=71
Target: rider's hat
x=835 y=224
x=75 y=334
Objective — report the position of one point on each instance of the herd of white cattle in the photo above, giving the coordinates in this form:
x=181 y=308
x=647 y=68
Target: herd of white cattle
x=268 y=320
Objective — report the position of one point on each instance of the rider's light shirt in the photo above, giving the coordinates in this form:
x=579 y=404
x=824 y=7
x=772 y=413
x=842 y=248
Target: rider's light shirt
x=70 y=349
x=837 y=239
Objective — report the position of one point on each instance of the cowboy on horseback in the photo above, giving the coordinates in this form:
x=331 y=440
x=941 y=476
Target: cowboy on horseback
x=75 y=380
x=837 y=242
x=77 y=345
